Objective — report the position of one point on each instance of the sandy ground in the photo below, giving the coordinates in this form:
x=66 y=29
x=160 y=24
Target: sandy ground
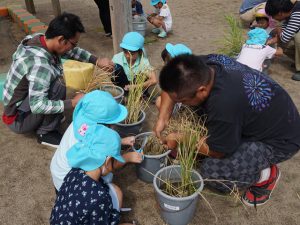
x=26 y=189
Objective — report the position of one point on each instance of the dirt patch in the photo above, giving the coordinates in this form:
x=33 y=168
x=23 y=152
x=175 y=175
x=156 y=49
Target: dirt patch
x=27 y=193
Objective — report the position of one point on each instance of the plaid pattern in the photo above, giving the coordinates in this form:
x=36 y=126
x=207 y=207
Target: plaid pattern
x=241 y=168
x=41 y=68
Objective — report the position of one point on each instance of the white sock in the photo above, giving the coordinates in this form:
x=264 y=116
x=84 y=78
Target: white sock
x=264 y=175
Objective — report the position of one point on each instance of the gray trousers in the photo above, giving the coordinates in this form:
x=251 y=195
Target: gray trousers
x=27 y=121
x=242 y=169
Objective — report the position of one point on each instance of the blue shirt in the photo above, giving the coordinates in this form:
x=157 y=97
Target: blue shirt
x=249 y=4
x=81 y=200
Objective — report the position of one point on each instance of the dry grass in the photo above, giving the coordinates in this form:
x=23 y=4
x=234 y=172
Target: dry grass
x=100 y=77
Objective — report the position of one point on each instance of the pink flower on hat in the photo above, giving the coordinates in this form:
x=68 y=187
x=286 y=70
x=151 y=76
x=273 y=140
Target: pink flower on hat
x=82 y=130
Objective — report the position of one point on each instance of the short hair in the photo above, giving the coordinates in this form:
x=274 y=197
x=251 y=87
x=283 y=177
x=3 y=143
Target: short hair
x=257 y=19
x=184 y=74
x=66 y=25
x=164 y=54
x=274 y=7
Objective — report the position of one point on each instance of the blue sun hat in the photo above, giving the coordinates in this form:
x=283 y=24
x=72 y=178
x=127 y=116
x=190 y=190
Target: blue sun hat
x=178 y=49
x=98 y=143
x=96 y=107
x=154 y=2
x=257 y=36
x=132 y=41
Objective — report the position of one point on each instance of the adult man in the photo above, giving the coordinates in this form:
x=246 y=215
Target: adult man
x=252 y=122
x=34 y=92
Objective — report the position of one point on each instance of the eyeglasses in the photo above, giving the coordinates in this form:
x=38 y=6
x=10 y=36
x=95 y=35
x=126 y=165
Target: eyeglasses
x=72 y=43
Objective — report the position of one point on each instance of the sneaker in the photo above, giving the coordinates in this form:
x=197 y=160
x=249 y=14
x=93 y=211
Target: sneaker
x=107 y=34
x=156 y=31
x=162 y=34
x=51 y=139
x=296 y=76
x=260 y=193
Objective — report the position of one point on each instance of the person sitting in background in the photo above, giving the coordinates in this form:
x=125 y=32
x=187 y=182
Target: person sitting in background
x=137 y=8
x=248 y=10
x=84 y=197
x=288 y=36
x=34 y=95
x=255 y=51
x=162 y=19
x=262 y=20
x=131 y=61
x=96 y=107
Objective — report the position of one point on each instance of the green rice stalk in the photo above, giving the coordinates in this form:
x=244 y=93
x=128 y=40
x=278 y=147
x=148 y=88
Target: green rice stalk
x=192 y=130
x=135 y=102
x=233 y=37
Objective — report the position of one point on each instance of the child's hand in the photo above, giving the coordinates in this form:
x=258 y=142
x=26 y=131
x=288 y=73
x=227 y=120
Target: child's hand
x=128 y=141
x=133 y=157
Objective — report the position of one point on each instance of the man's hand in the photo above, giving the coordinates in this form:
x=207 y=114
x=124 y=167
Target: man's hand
x=105 y=64
x=202 y=147
x=172 y=140
x=76 y=99
x=159 y=127
x=128 y=141
x=133 y=157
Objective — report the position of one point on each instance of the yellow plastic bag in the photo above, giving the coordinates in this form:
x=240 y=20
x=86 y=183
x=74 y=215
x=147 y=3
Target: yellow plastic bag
x=77 y=74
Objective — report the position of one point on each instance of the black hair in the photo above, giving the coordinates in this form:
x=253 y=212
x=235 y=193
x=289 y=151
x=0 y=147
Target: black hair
x=274 y=7
x=164 y=55
x=257 y=19
x=66 y=25
x=184 y=74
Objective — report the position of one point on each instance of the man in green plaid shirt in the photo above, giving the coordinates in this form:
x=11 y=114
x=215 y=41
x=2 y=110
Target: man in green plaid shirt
x=34 y=94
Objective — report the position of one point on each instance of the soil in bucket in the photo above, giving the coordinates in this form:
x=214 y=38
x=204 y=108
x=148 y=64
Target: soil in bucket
x=155 y=156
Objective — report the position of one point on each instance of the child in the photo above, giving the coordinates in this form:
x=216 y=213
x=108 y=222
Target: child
x=96 y=107
x=255 y=51
x=137 y=8
x=167 y=54
x=288 y=35
x=162 y=20
x=262 y=20
x=84 y=197
x=132 y=60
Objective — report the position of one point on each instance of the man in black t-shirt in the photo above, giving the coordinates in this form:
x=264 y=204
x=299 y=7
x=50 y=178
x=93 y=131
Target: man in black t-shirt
x=252 y=122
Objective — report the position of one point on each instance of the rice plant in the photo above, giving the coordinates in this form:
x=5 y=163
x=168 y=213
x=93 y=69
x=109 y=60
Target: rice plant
x=153 y=145
x=100 y=77
x=135 y=102
x=190 y=130
x=233 y=38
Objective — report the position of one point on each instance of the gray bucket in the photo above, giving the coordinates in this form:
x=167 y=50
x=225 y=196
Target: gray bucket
x=126 y=130
x=146 y=170
x=140 y=25
x=175 y=210
x=118 y=90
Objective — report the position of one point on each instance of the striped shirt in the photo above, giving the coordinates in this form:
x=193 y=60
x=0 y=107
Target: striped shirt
x=292 y=25
x=37 y=68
